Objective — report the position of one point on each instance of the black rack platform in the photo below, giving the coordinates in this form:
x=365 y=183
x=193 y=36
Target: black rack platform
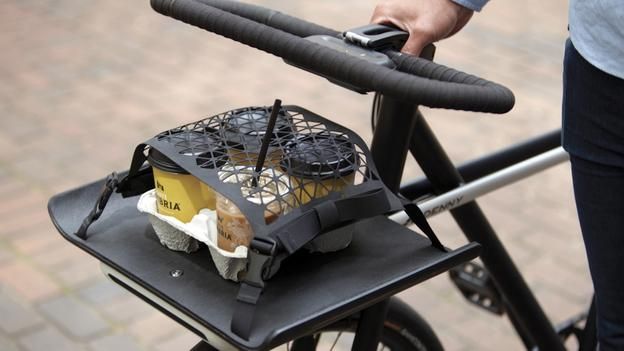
x=308 y=293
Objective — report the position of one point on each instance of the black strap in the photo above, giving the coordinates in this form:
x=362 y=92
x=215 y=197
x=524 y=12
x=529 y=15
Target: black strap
x=140 y=178
x=242 y=319
x=329 y=214
x=263 y=256
x=293 y=236
x=109 y=186
x=261 y=253
x=416 y=215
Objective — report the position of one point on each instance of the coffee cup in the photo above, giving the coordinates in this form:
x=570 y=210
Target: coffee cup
x=272 y=192
x=244 y=131
x=318 y=164
x=180 y=194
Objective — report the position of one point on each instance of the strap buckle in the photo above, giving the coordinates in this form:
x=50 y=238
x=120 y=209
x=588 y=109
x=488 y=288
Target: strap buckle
x=376 y=37
x=260 y=255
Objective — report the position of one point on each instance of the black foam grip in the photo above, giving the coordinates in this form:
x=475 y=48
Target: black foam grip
x=271 y=18
x=330 y=63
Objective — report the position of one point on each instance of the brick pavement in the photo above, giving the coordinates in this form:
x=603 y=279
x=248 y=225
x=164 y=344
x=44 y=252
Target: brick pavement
x=82 y=81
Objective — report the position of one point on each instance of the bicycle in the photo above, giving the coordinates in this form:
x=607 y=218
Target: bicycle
x=444 y=178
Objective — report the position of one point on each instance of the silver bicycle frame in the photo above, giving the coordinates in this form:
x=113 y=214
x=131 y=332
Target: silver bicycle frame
x=470 y=191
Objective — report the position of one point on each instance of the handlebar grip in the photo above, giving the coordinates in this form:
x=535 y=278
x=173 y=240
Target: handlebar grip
x=271 y=18
x=467 y=96
x=426 y=68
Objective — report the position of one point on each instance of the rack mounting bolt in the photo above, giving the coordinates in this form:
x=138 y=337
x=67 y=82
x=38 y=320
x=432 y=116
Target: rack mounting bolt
x=176 y=273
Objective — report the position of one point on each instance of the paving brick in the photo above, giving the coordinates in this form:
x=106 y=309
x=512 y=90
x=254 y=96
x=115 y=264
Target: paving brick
x=23 y=200
x=154 y=328
x=48 y=339
x=558 y=305
x=30 y=283
x=5 y=255
x=33 y=242
x=118 y=342
x=489 y=332
x=74 y=317
x=22 y=222
x=77 y=272
x=101 y=292
x=6 y=344
x=58 y=253
x=10 y=185
x=126 y=309
x=453 y=341
x=16 y=316
x=183 y=341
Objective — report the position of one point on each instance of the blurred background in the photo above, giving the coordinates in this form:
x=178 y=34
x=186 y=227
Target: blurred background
x=83 y=81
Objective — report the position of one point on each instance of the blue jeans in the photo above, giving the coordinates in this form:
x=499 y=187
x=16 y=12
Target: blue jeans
x=593 y=134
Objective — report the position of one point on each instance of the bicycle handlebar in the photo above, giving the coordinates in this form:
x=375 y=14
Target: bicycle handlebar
x=271 y=18
x=418 y=80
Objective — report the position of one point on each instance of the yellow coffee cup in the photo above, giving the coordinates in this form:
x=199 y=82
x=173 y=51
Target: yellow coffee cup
x=179 y=194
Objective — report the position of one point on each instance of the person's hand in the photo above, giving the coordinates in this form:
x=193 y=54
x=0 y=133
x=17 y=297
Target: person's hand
x=426 y=21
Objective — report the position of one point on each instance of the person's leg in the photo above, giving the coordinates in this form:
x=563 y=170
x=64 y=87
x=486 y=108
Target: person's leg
x=599 y=191
x=593 y=134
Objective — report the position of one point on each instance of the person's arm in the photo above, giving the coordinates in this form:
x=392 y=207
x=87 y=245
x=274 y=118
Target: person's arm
x=427 y=21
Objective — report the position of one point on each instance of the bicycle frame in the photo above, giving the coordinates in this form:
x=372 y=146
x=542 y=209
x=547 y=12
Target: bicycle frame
x=390 y=147
x=471 y=191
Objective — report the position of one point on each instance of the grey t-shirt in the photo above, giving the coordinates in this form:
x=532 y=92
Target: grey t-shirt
x=597 y=32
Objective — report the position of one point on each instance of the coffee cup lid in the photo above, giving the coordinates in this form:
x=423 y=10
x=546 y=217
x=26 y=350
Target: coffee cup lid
x=272 y=184
x=158 y=160
x=245 y=129
x=208 y=151
x=320 y=155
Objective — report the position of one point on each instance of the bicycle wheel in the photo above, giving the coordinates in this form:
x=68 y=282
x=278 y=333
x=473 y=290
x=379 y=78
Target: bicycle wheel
x=404 y=330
